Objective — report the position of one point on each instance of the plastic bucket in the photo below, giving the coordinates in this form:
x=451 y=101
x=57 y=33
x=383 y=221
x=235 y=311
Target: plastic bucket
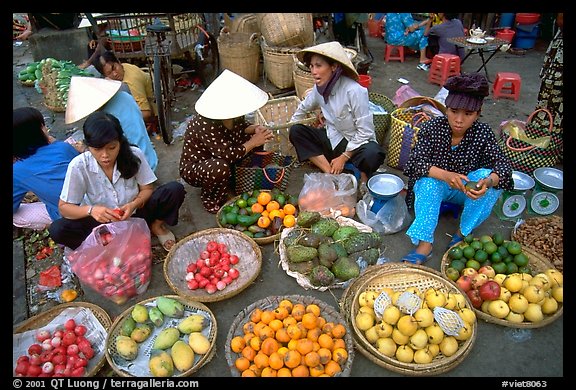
x=525 y=39
x=506 y=20
x=365 y=80
x=527 y=18
x=506 y=35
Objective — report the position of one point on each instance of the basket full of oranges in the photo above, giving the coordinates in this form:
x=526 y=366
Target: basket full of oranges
x=289 y=336
x=259 y=214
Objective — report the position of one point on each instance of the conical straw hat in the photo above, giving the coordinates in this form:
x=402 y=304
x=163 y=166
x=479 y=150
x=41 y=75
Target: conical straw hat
x=230 y=96
x=332 y=50
x=86 y=95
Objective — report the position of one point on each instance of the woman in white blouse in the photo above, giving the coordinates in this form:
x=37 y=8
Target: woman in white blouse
x=112 y=181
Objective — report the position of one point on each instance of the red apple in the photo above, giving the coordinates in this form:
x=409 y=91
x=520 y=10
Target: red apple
x=487 y=270
x=489 y=291
x=475 y=298
x=478 y=280
x=464 y=282
x=469 y=271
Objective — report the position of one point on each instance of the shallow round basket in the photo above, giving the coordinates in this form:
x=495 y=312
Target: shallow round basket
x=44 y=318
x=399 y=277
x=188 y=250
x=271 y=303
x=259 y=241
x=302 y=279
x=139 y=366
x=552 y=227
x=538 y=264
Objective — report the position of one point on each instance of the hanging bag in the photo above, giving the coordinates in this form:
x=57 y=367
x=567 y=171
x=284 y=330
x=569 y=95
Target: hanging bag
x=530 y=146
x=262 y=171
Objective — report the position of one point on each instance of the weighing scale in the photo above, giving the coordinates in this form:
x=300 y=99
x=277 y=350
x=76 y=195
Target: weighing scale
x=548 y=182
x=512 y=204
x=383 y=187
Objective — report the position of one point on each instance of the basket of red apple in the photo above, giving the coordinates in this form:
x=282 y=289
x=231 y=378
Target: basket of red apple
x=409 y=319
x=212 y=264
x=508 y=284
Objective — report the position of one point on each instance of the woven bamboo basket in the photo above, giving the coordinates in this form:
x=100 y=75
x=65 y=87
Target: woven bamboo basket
x=287 y=29
x=278 y=64
x=271 y=303
x=44 y=318
x=382 y=121
x=538 y=264
x=303 y=81
x=188 y=250
x=240 y=53
x=404 y=118
x=550 y=226
x=247 y=23
x=399 y=277
x=139 y=366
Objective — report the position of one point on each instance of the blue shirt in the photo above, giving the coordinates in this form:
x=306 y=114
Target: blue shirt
x=396 y=24
x=124 y=107
x=42 y=173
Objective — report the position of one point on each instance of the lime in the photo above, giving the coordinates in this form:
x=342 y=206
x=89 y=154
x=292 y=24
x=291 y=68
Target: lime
x=485 y=238
x=453 y=274
x=248 y=233
x=476 y=244
x=514 y=247
x=458 y=264
x=235 y=209
x=226 y=209
x=251 y=201
x=244 y=196
x=490 y=247
x=473 y=264
x=242 y=203
x=455 y=253
x=521 y=259
x=496 y=257
x=511 y=268
x=281 y=199
x=469 y=238
x=481 y=256
x=498 y=238
x=255 y=194
x=503 y=251
x=500 y=268
x=232 y=218
x=468 y=252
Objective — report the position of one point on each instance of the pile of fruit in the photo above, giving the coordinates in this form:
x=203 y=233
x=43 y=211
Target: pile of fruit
x=175 y=345
x=411 y=333
x=326 y=252
x=290 y=340
x=260 y=214
x=509 y=291
x=64 y=352
x=54 y=77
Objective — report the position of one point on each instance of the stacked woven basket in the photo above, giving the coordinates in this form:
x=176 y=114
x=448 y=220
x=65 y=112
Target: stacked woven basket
x=240 y=53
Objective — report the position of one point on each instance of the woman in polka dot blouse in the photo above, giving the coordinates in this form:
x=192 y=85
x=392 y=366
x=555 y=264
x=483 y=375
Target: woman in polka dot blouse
x=451 y=151
x=219 y=135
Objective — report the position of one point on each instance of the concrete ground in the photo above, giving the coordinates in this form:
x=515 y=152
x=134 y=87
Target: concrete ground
x=498 y=351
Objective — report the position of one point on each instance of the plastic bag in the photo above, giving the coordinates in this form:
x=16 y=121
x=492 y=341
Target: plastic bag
x=115 y=259
x=325 y=192
x=392 y=217
x=441 y=95
x=404 y=93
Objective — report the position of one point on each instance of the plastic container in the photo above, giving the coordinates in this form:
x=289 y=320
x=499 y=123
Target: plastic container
x=365 y=80
x=506 y=34
x=506 y=20
x=527 y=18
x=525 y=39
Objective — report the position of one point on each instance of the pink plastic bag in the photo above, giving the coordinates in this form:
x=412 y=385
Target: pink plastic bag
x=115 y=259
x=404 y=93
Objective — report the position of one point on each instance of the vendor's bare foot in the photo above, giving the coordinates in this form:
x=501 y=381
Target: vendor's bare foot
x=165 y=236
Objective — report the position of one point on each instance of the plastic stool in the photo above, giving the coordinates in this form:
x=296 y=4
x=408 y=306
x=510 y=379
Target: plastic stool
x=352 y=169
x=447 y=207
x=507 y=85
x=443 y=66
x=394 y=53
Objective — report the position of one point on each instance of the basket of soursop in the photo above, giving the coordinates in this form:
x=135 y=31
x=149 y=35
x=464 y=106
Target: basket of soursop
x=323 y=252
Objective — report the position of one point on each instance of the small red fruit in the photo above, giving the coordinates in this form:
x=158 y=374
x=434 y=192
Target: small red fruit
x=234 y=259
x=211 y=246
x=120 y=212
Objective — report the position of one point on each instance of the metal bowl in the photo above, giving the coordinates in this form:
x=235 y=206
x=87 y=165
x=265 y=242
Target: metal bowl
x=385 y=185
x=549 y=178
x=522 y=181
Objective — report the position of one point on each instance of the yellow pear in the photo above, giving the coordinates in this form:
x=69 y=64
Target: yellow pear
x=434 y=298
x=550 y=306
x=407 y=324
x=395 y=296
x=513 y=282
x=465 y=332
x=384 y=329
x=498 y=308
x=400 y=338
x=460 y=300
x=449 y=346
x=367 y=298
x=386 y=346
x=534 y=293
x=534 y=313
x=424 y=317
x=405 y=354
x=541 y=280
x=558 y=294
x=435 y=333
x=516 y=318
x=423 y=356
x=556 y=278
x=434 y=349
x=367 y=309
x=505 y=294
x=391 y=315
x=518 y=303
x=451 y=302
x=419 y=339
x=484 y=307
x=371 y=334
x=467 y=315
x=499 y=278
x=364 y=321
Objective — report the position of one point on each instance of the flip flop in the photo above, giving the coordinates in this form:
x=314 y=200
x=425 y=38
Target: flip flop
x=167 y=240
x=456 y=238
x=416 y=258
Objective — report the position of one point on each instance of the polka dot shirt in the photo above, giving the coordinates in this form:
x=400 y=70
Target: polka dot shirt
x=477 y=149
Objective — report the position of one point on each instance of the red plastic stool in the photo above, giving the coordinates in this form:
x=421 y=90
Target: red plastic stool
x=394 y=53
x=507 y=85
x=443 y=66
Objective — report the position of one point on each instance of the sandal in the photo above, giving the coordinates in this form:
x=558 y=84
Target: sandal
x=416 y=258
x=167 y=240
x=456 y=238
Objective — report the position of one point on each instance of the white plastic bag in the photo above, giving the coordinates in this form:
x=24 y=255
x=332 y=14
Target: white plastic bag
x=392 y=217
x=325 y=192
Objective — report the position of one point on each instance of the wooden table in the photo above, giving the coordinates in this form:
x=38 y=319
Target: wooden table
x=492 y=47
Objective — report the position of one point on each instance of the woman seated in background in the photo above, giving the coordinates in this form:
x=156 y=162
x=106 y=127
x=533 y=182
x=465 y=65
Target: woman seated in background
x=112 y=181
x=402 y=30
x=219 y=136
x=450 y=27
x=40 y=164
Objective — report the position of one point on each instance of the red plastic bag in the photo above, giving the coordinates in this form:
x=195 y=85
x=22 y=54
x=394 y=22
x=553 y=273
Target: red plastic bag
x=115 y=259
x=51 y=277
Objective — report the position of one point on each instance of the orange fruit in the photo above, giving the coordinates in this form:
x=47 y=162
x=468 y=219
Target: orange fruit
x=248 y=327
x=268 y=372
x=282 y=351
x=255 y=343
x=289 y=321
x=289 y=221
x=255 y=315
x=312 y=359
x=282 y=335
x=340 y=355
x=276 y=324
x=237 y=344
x=261 y=360
x=247 y=337
x=327 y=327
x=321 y=322
x=304 y=346
x=248 y=352
x=258 y=328
x=294 y=331
x=267 y=316
x=338 y=331
x=272 y=205
x=281 y=312
x=339 y=343
x=325 y=355
x=267 y=332
x=317 y=370
x=292 y=359
x=298 y=311
x=265 y=213
x=276 y=361
x=269 y=346
x=257 y=371
x=292 y=344
x=301 y=371
x=249 y=373
x=309 y=321
x=289 y=209
x=242 y=364
x=264 y=198
x=264 y=222
x=313 y=334
x=286 y=303
x=332 y=368
x=276 y=214
x=257 y=208
x=284 y=372
x=314 y=309
x=325 y=341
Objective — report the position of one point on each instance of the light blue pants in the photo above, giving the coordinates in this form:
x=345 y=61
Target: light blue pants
x=429 y=193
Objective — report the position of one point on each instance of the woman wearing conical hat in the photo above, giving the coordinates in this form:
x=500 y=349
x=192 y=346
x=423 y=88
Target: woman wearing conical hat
x=220 y=136
x=348 y=133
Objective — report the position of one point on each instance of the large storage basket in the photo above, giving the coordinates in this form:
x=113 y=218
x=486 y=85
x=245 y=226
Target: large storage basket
x=278 y=64
x=276 y=115
x=247 y=23
x=303 y=80
x=287 y=29
x=404 y=129
x=382 y=121
x=240 y=53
